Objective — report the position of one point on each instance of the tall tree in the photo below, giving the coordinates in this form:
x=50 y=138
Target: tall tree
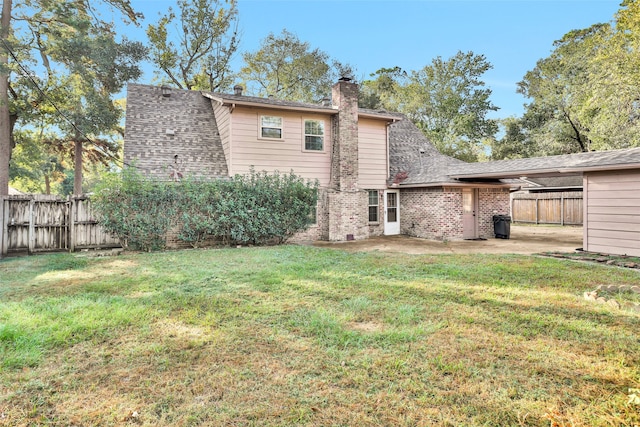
x=5 y=115
x=447 y=100
x=584 y=96
x=197 y=52
x=559 y=88
x=82 y=65
x=286 y=68
x=383 y=91
x=615 y=123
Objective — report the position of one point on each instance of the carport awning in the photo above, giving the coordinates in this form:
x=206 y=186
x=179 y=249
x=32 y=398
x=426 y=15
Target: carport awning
x=568 y=164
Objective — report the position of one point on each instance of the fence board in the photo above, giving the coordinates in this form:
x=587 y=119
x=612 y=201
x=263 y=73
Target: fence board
x=564 y=208
x=46 y=224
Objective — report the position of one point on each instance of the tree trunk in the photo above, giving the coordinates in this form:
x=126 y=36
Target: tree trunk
x=5 y=119
x=47 y=184
x=77 y=176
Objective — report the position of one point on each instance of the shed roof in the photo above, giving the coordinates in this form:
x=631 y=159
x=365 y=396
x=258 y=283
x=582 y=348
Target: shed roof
x=550 y=166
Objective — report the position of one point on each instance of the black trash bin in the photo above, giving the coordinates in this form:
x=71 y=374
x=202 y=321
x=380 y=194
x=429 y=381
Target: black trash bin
x=502 y=226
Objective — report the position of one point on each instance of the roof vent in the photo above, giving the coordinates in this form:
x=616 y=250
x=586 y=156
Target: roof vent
x=326 y=102
x=237 y=90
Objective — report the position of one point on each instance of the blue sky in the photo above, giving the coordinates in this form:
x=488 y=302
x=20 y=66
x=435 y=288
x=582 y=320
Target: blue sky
x=371 y=34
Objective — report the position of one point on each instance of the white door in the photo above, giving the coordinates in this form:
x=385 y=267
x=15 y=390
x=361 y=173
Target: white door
x=391 y=212
x=469 y=219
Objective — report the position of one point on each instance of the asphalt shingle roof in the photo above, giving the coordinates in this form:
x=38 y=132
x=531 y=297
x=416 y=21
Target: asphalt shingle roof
x=412 y=153
x=568 y=163
x=267 y=101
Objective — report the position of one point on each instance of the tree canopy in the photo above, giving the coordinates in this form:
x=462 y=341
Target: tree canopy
x=194 y=48
x=64 y=63
x=286 y=68
x=584 y=96
x=447 y=100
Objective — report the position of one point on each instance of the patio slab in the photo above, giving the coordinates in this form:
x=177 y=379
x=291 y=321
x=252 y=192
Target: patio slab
x=524 y=239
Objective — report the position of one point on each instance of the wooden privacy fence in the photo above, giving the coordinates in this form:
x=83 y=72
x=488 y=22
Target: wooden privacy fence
x=38 y=223
x=547 y=208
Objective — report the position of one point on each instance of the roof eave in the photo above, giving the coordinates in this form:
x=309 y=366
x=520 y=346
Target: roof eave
x=235 y=102
x=511 y=174
x=380 y=116
x=601 y=168
x=454 y=184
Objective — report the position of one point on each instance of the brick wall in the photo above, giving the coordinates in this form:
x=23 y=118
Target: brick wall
x=491 y=201
x=431 y=213
x=157 y=128
x=348 y=215
x=436 y=213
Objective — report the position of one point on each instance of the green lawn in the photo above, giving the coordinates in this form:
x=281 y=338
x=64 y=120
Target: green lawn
x=291 y=335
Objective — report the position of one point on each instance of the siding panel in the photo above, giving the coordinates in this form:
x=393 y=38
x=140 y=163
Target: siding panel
x=613 y=212
x=223 y=118
x=372 y=154
x=284 y=155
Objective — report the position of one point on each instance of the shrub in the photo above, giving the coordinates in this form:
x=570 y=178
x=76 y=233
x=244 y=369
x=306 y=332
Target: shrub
x=256 y=208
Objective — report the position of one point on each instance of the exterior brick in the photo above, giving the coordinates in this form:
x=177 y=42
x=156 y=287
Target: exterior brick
x=491 y=201
x=436 y=213
x=346 y=205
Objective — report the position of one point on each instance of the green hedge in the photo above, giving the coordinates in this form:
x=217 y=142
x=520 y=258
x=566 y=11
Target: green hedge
x=256 y=208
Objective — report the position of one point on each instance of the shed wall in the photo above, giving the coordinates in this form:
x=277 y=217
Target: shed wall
x=612 y=212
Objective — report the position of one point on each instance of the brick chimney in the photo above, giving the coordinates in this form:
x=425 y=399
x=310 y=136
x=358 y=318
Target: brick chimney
x=345 y=150
x=347 y=205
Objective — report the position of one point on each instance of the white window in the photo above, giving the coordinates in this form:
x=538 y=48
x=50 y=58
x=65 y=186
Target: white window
x=271 y=127
x=314 y=135
x=373 y=205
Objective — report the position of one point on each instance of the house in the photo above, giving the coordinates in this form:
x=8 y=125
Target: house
x=378 y=173
x=611 y=191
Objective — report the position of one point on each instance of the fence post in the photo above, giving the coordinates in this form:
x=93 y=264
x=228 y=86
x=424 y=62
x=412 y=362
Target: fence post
x=32 y=228
x=72 y=224
x=537 y=203
x=562 y=208
x=4 y=228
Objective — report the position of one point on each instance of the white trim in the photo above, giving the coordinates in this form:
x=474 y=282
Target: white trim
x=260 y=127
x=304 y=135
x=392 y=228
x=377 y=205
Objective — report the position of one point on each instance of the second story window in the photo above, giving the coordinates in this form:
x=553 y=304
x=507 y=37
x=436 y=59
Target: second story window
x=271 y=127
x=314 y=135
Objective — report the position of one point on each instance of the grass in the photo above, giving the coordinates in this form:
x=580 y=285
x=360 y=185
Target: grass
x=287 y=336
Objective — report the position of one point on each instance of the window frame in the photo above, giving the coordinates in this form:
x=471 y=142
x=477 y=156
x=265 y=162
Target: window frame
x=261 y=127
x=305 y=135
x=377 y=206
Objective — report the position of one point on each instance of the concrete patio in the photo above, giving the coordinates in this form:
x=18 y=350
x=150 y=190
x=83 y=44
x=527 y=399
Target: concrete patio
x=524 y=239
